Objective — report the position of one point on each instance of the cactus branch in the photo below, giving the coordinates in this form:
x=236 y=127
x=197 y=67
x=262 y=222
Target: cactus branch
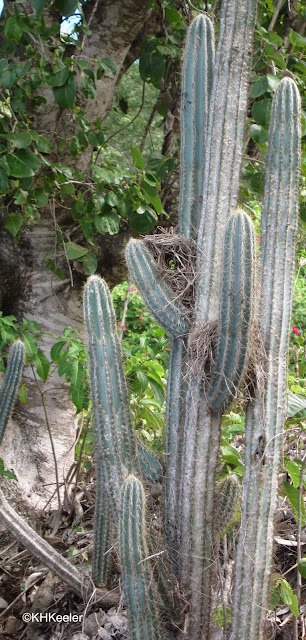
x=10 y=384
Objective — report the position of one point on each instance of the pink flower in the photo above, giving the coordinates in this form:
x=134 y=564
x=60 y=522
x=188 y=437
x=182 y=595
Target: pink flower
x=148 y=353
x=118 y=323
x=168 y=347
x=257 y=238
x=140 y=318
x=295 y=330
x=124 y=329
x=132 y=289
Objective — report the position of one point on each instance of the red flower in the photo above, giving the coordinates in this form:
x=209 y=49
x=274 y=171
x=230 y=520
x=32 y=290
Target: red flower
x=295 y=330
x=132 y=289
x=118 y=323
x=168 y=347
x=148 y=353
x=124 y=329
x=257 y=238
x=140 y=318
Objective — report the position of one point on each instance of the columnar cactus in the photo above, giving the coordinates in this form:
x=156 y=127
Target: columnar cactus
x=10 y=384
x=137 y=575
x=266 y=413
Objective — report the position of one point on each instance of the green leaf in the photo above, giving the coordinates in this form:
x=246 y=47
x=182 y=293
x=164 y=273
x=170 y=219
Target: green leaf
x=261 y=112
x=3 y=182
x=292 y=494
x=64 y=96
x=151 y=196
x=151 y=66
x=288 y=597
x=137 y=158
x=66 y=7
x=296 y=406
x=142 y=378
x=174 y=18
x=90 y=264
x=230 y=455
x=39 y=5
x=106 y=65
x=12 y=31
x=74 y=251
x=57 y=79
x=23 y=394
x=50 y=264
x=30 y=344
x=13 y=223
x=294 y=471
x=42 y=365
x=274 y=38
x=302 y=567
x=7 y=78
x=265 y=84
x=43 y=145
x=23 y=163
x=56 y=351
x=297 y=40
x=108 y=224
x=21 y=139
x=258 y=134
x=144 y=222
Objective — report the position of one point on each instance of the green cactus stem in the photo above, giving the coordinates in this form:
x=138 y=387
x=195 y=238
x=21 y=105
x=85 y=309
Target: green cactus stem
x=266 y=414
x=225 y=144
x=197 y=79
x=150 y=466
x=10 y=384
x=228 y=494
x=236 y=311
x=116 y=440
x=137 y=576
x=160 y=300
x=102 y=531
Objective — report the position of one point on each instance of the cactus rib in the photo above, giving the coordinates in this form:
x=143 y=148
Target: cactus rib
x=236 y=311
x=10 y=384
x=150 y=465
x=160 y=300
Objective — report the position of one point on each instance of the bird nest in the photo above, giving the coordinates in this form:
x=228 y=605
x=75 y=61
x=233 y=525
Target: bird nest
x=175 y=258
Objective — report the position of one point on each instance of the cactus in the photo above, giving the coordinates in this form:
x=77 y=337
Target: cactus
x=150 y=466
x=236 y=311
x=168 y=311
x=228 y=493
x=10 y=384
x=197 y=79
x=137 y=576
x=266 y=413
x=102 y=531
x=116 y=440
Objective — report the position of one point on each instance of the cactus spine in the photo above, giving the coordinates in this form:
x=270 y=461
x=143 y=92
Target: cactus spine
x=10 y=384
x=137 y=574
x=228 y=493
x=266 y=414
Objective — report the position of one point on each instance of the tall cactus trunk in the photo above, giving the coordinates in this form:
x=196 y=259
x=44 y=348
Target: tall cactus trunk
x=266 y=414
x=224 y=151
